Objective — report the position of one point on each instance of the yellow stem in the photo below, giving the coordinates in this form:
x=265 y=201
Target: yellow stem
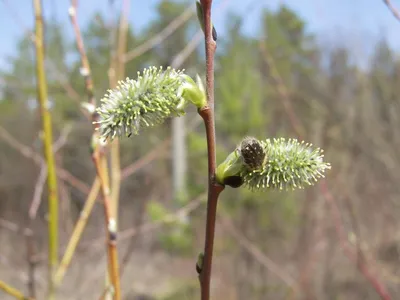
x=12 y=291
x=77 y=232
x=48 y=151
x=119 y=69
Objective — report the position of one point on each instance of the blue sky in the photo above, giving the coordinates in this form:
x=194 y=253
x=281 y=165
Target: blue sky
x=357 y=23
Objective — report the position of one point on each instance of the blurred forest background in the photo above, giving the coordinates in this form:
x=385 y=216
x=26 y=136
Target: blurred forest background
x=270 y=245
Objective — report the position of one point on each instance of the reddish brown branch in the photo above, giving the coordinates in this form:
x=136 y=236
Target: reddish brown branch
x=214 y=189
x=85 y=69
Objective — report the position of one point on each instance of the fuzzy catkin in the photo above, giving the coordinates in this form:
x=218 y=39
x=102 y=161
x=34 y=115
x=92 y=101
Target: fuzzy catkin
x=145 y=102
x=287 y=164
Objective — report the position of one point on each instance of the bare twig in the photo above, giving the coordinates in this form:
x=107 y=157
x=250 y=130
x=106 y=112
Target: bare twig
x=77 y=232
x=30 y=254
x=21 y=148
x=180 y=58
x=393 y=9
x=258 y=254
x=85 y=69
x=11 y=226
x=37 y=159
x=106 y=291
x=157 y=151
x=32 y=260
x=148 y=227
x=63 y=138
x=361 y=264
x=28 y=232
x=38 y=191
x=282 y=90
x=161 y=36
x=13 y=292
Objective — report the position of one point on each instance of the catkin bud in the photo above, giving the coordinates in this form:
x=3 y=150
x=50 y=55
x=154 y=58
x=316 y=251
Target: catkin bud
x=252 y=152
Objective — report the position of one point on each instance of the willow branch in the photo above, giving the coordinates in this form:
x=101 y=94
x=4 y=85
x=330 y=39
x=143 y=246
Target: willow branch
x=119 y=66
x=13 y=292
x=113 y=267
x=99 y=160
x=214 y=189
x=77 y=232
x=48 y=147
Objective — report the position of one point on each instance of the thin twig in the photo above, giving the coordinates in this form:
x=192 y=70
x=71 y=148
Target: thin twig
x=48 y=145
x=361 y=264
x=282 y=90
x=258 y=254
x=77 y=232
x=393 y=9
x=106 y=291
x=28 y=232
x=148 y=227
x=11 y=226
x=13 y=292
x=119 y=66
x=85 y=69
x=30 y=254
x=160 y=37
x=157 y=151
x=182 y=56
x=37 y=159
x=63 y=138
x=214 y=189
x=38 y=191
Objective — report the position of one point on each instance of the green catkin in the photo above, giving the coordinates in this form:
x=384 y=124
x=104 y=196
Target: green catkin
x=286 y=164
x=145 y=102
